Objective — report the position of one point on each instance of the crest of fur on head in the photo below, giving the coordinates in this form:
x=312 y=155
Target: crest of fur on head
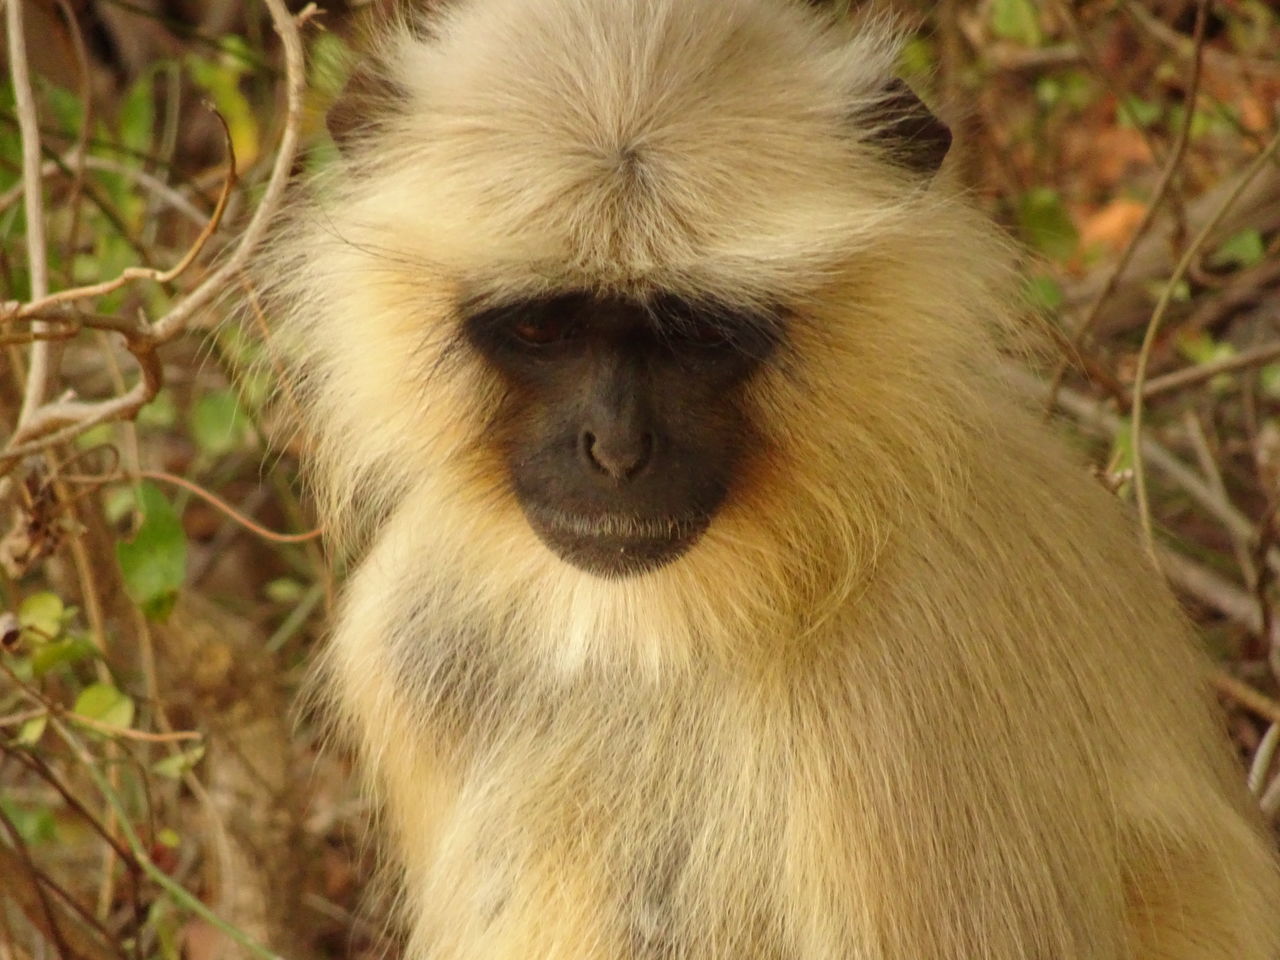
x=756 y=152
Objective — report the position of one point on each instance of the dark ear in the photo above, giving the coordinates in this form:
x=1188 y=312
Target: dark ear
x=908 y=131
x=367 y=97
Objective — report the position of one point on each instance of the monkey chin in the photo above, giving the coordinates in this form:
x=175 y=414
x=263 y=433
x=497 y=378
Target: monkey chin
x=615 y=548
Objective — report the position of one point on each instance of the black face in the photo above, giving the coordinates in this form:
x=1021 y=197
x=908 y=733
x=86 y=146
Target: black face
x=622 y=424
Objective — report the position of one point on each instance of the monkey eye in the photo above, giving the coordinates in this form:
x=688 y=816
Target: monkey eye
x=542 y=329
x=692 y=324
x=704 y=334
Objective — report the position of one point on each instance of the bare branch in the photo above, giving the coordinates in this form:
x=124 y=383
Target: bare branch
x=40 y=370
x=1246 y=696
x=183 y=897
x=48 y=424
x=1094 y=415
x=142 y=178
x=129 y=274
x=1264 y=158
x=1170 y=170
x=74 y=417
x=1178 y=379
x=295 y=86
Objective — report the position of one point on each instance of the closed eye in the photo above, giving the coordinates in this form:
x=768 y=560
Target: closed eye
x=702 y=334
x=710 y=325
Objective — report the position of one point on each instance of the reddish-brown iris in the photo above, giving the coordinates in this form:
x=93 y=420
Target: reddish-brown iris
x=541 y=330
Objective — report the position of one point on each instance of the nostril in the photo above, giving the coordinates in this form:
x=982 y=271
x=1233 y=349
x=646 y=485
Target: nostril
x=621 y=457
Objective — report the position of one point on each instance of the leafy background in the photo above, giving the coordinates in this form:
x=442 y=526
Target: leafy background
x=163 y=793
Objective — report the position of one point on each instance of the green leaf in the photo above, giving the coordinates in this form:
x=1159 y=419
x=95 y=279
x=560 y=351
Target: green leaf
x=35 y=824
x=154 y=563
x=239 y=348
x=176 y=764
x=1140 y=112
x=327 y=61
x=1120 y=459
x=1122 y=447
x=118 y=503
x=67 y=107
x=1072 y=88
x=1244 y=249
x=284 y=590
x=1269 y=380
x=1202 y=348
x=161 y=412
x=168 y=837
x=1046 y=224
x=106 y=704
x=42 y=613
x=238 y=56
x=166 y=924
x=33 y=730
x=221 y=81
x=1017 y=20
x=323 y=155
x=1202 y=121
x=21 y=667
x=918 y=57
x=20 y=283
x=53 y=655
x=1181 y=290
x=217 y=423
x=111 y=253
x=1048 y=91
x=101 y=435
x=1044 y=292
x=1079 y=89
x=256 y=387
x=137 y=115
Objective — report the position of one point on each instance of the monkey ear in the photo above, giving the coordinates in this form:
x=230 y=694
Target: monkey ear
x=367 y=97
x=908 y=130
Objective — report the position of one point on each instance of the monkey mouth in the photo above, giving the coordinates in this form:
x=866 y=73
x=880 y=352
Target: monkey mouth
x=615 y=545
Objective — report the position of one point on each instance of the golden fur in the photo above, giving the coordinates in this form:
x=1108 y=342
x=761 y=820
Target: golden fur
x=915 y=695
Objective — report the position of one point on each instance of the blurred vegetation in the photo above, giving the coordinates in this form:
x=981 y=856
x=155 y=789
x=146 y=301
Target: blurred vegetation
x=162 y=794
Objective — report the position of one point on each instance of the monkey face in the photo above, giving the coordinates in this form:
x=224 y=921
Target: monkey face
x=620 y=425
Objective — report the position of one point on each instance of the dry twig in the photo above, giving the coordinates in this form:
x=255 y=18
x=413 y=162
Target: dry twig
x=1167 y=174
x=1190 y=376
x=39 y=371
x=47 y=424
x=1193 y=249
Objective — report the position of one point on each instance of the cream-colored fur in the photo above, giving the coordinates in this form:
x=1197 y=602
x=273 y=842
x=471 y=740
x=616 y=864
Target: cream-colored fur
x=915 y=695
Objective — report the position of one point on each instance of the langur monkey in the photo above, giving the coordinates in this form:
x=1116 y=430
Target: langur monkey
x=716 y=598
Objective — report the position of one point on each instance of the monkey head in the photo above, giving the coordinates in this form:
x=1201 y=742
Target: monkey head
x=663 y=316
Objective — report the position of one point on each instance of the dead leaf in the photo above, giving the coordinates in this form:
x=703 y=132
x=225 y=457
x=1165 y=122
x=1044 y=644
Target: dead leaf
x=1112 y=226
